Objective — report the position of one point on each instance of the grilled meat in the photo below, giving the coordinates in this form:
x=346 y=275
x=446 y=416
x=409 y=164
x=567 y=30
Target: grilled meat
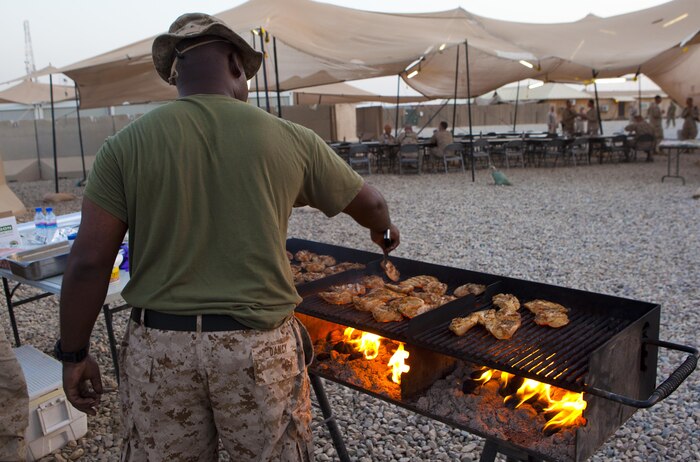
x=447 y=299
x=503 y=324
x=410 y=306
x=506 y=302
x=372 y=282
x=460 y=326
x=304 y=255
x=538 y=306
x=466 y=289
x=386 y=313
x=552 y=318
x=437 y=288
x=290 y=257
x=374 y=298
x=313 y=266
x=390 y=270
x=342 y=294
x=327 y=260
x=308 y=277
x=430 y=299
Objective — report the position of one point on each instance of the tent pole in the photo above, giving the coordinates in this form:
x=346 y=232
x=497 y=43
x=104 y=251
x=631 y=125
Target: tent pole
x=53 y=135
x=264 y=66
x=36 y=141
x=469 y=107
x=517 y=100
x=597 y=103
x=639 y=90
x=257 y=90
x=80 y=134
x=454 y=101
x=433 y=116
x=277 y=78
x=396 y=119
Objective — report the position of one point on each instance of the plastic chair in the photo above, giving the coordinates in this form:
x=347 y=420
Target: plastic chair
x=514 y=149
x=358 y=156
x=481 y=151
x=554 y=150
x=409 y=157
x=453 y=153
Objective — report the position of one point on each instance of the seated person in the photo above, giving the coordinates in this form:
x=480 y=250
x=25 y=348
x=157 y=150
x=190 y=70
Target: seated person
x=387 y=137
x=441 y=138
x=641 y=127
x=408 y=136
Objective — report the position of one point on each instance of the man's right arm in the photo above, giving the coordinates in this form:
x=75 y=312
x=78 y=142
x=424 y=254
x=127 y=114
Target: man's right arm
x=369 y=209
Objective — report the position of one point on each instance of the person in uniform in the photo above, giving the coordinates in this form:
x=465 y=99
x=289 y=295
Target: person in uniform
x=671 y=115
x=655 y=115
x=387 y=137
x=690 y=117
x=641 y=127
x=441 y=138
x=408 y=136
x=552 y=121
x=568 y=118
x=592 y=118
x=580 y=124
x=205 y=185
x=15 y=404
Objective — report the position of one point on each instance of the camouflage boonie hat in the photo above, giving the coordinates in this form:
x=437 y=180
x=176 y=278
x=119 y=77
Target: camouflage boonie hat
x=193 y=25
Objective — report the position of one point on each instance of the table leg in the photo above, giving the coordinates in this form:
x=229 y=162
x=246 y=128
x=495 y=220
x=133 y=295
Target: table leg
x=330 y=421
x=112 y=341
x=668 y=165
x=11 y=311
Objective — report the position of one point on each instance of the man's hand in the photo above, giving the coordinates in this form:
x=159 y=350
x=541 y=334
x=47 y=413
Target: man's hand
x=378 y=238
x=82 y=396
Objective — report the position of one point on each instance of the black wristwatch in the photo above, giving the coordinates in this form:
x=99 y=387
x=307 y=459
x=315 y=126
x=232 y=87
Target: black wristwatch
x=69 y=357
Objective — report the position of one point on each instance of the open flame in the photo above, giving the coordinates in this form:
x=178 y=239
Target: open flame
x=565 y=407
x=368 y=345
x=364 y=342
x=397 y=364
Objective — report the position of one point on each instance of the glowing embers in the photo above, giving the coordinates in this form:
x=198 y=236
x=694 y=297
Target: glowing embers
x=562 y=408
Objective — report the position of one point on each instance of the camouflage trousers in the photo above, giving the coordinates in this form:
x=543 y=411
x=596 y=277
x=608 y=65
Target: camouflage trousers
x=14 y=400
x=182 y=391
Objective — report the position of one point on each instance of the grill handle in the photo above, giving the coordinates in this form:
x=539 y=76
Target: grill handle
x=667 y=387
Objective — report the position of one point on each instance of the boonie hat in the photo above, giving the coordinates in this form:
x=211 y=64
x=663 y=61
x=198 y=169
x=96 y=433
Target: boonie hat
x=193 y=25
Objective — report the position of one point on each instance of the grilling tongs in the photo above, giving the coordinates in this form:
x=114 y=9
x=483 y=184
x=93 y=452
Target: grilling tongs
x=388 y=267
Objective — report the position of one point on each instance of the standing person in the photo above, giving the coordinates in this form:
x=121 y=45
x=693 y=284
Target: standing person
x=655 y=115
x=690 y=117
x=592 y=118
x=568 y=117
x=671 y=115
x=551 y=121
x=15 y=403
x=205 y=186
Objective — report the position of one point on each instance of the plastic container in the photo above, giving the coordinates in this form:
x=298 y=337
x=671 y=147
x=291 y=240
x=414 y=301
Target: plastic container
x=39 y=225
x=51 y=224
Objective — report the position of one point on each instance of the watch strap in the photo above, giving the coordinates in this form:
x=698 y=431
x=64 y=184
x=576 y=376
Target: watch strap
x=69 y=356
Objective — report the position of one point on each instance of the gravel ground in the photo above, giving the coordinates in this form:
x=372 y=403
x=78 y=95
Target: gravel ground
x=612 y=229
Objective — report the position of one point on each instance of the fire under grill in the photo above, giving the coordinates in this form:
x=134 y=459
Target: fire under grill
x=608 y=351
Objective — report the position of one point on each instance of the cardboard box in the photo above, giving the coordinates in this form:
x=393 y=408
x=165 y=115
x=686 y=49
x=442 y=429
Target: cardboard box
x=53 y=422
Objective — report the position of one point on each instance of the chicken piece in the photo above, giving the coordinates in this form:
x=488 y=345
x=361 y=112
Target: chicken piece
x=400 y=287
x=437 y=288
x=344 y=266
x=374 y=298
x=304 y=255
x=313 y=266
x=431 y=300
x=390 y=270
x=551 y=318
x=336 y=298
x=352 y=289
x=538 y=306
x=372 y=282
x=461 y=326
x=466 y=289
x=386 y=313
x=506 y=302
x=503 y=324
x=409 y=306
x=290 y=257
x=308 y=277
x=296 y=269
x=327 y=260
x=420 y=282
x=447 y=299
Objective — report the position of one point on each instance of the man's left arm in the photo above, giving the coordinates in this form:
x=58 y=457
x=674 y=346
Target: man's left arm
x=85 y=283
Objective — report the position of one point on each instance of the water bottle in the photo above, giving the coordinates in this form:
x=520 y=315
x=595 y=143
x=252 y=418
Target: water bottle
x=51 y=224
x=39 y=225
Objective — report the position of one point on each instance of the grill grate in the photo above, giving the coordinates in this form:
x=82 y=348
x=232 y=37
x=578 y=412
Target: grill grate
x=559 y=357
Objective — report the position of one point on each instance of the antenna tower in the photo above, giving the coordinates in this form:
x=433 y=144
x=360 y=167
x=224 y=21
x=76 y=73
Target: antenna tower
x=28 y=52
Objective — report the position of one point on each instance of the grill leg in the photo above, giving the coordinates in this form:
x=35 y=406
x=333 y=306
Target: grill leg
x=332 y=425
x=492 y=448
x=11 y=311
x=489 y=452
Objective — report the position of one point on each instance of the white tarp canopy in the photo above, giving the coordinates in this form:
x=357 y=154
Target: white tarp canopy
x=30 y=93
x=548 y=91
x=319 y=44
x=341 y=93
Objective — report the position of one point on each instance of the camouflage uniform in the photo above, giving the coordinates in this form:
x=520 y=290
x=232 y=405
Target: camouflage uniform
x=441 y=138
x=593 y=124
x=690 y=117
x=568 y=118
x=15 y=404
x=178 y=388
x=656 y=120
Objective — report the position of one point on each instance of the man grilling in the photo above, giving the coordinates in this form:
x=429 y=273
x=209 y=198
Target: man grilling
x=205 y=186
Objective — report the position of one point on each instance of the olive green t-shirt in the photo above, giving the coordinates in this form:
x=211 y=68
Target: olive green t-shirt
x=206 y=185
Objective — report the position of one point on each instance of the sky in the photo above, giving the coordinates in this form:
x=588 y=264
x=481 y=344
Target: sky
x=64 y=32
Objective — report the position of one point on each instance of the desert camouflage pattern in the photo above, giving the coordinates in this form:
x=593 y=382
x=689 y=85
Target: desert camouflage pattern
x=15 y=404
x=182 y=391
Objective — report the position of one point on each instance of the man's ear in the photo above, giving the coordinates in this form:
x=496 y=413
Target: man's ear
x=234 y=65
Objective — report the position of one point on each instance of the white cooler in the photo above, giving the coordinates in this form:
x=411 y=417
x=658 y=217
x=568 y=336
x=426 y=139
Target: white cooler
x=53 y=422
